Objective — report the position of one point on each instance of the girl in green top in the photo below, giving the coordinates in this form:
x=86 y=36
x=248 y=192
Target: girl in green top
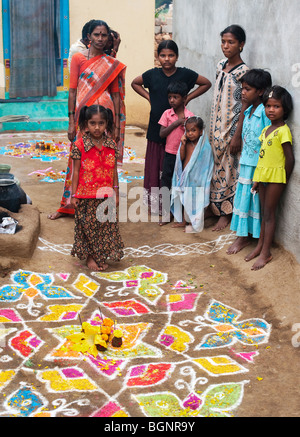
x=274 y=168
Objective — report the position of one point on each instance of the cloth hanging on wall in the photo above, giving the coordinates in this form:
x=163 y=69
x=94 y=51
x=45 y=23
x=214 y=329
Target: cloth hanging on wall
x=34 y=48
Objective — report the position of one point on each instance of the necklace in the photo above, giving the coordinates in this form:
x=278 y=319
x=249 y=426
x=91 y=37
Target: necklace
x=97 y=141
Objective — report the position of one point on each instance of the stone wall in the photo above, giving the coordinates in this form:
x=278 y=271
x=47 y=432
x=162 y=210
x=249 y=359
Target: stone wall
x=163 y=31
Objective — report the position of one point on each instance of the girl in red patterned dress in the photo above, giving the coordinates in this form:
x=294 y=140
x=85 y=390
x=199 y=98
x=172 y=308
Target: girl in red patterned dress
x=95 y=184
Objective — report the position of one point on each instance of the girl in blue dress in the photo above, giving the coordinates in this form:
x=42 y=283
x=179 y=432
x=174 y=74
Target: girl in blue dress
x=246 y=218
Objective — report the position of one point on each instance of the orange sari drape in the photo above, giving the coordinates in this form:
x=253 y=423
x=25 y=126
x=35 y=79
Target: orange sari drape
x=96 y=78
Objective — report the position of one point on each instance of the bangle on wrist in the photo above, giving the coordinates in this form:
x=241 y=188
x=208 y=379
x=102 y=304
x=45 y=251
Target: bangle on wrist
x=71 y=113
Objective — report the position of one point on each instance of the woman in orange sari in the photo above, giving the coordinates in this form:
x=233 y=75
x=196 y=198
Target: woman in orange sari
x=95 y=78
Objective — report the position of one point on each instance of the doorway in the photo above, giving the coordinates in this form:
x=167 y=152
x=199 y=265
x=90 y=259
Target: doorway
x=36 y=46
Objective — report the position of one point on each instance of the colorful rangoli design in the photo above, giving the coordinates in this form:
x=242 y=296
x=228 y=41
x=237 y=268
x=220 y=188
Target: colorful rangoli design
x=45 y=151
x=178 y=357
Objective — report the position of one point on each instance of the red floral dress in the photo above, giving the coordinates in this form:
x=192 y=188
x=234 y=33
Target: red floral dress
x=96 y=224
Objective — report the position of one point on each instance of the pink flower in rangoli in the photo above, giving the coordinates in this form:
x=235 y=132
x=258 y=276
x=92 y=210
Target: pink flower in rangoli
x=146 y=275
x=192 y=401
x=132 y=283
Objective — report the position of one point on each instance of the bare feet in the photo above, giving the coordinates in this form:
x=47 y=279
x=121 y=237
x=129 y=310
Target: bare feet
x=56 y=215
x=189 y=229
x=92 y=265
x=222 y=223
x=255 y=252
x=238 y=245
x=103 y=267
x=179 y=225
x=165 y=219
x=261 y=262
x=161 y=223
x=208 y=213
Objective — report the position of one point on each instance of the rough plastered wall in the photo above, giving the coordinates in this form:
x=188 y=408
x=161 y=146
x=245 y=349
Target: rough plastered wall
x=272 y=43
x=135 y=21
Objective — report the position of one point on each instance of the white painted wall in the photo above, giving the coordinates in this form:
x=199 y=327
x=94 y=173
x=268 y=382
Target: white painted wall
x=272 y=30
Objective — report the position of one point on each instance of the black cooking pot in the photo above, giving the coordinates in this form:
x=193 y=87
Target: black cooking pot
x=23 y=197
x=10 y=194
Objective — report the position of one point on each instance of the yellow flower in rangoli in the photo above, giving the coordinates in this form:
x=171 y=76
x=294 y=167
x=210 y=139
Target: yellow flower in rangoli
x=84 y=342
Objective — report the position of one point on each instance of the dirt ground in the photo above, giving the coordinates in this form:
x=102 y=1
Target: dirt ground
x=228 y=345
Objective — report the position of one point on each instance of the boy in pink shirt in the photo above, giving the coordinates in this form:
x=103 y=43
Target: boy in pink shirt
x=172 y=128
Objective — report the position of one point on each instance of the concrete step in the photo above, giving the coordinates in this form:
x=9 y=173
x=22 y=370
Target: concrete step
x=37 y=109
x=44 y=113
x=33 y=125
